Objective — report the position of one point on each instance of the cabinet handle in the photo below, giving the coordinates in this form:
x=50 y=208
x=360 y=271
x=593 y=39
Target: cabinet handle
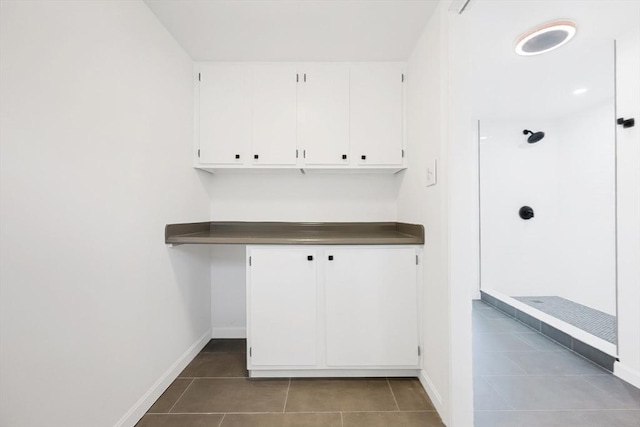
x=237 y=156
x=255 y=156
x=344 y=157
x=628 y=123
x=363 y=157
x=309 y=257
x=330 y=257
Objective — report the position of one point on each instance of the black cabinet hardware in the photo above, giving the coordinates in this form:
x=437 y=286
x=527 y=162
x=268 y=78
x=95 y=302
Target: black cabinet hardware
x=255 y=156
x=330 y=257
x=237 y=156
x=344 y=157
x=363 y=157
x=309 y=257
x=526 y=212
x=629 y=123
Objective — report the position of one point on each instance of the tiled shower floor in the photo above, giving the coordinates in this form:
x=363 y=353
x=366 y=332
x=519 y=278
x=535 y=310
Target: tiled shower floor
x=523 y=379
x=214 y=391
x=590 y=320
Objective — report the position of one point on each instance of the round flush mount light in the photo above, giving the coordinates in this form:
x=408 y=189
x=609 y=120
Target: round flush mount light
x=545 y=37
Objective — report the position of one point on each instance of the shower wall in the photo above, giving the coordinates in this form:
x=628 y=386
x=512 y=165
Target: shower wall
x=568 y=248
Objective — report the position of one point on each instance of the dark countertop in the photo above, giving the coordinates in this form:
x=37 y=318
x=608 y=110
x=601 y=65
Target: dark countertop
x=295 y=233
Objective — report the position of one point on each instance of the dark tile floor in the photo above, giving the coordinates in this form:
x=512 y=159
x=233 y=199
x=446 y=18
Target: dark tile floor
x=523 y=379
x=214 y=391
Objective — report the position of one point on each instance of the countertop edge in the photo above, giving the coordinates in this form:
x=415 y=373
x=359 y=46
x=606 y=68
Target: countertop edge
x=284 y=233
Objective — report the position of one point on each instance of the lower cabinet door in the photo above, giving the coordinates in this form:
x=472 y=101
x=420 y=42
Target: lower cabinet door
x=371 y=307
x=282 y=307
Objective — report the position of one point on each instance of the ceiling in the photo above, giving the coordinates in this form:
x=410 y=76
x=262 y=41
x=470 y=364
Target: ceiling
x=508 y=86
x=295 y=30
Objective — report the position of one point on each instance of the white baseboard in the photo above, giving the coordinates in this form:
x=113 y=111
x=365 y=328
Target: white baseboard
x=434 y=395
x=137 y=411
x=240 y=332
x=627 y=374
x=331 y=373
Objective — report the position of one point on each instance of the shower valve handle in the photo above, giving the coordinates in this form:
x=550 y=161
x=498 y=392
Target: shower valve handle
x=526 y=212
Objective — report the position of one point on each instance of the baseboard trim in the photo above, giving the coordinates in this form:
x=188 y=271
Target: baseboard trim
x=332 y=373
x=229 y=332
x=627 y=374
x=137 y=411
x=434 y=395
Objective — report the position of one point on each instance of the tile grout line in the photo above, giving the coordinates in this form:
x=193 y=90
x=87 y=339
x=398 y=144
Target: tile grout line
x=582 y=377
x=302 y=412
x=526 y=373
x=557 y=410
x=222 y=419
x=500 y=395
x=341 y=420
x=286 y=397
x=392 y=394
x=176 y=402
x=212 y=378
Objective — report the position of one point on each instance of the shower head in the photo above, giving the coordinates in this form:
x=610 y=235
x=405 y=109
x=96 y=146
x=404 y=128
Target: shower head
x=534 y=137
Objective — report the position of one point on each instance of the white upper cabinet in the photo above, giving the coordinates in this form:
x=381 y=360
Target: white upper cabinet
x=323 y=114
x=300 y=115
x=274 y=115
x=225 y=113
x=376 y=113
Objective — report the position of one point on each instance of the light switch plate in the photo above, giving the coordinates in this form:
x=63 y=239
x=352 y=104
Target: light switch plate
x=432 y=173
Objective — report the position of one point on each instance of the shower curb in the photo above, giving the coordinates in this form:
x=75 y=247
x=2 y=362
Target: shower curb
x=591 y=353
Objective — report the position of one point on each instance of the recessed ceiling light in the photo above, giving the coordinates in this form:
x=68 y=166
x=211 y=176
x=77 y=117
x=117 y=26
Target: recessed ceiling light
x=545 y=37
x=580 y=91
x=483 y=137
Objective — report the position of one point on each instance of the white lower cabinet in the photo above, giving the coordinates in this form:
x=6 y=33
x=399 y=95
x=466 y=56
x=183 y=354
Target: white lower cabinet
x=332 y=310
x=371 y=307
x=282 y=299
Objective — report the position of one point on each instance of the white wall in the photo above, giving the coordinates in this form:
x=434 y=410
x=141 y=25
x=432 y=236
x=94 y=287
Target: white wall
x=447 y=357
x=568 y=178
x=519 y=258
x=95 y=159
x=284 y=196
x=292 y=196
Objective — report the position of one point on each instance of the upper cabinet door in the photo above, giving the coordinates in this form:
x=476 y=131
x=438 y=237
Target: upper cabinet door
x=323 y=114
x=274 y=114
x=225 y=113
x=376 y=114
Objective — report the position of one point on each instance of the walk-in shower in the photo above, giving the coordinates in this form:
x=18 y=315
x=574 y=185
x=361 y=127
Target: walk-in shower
x=547 y=201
